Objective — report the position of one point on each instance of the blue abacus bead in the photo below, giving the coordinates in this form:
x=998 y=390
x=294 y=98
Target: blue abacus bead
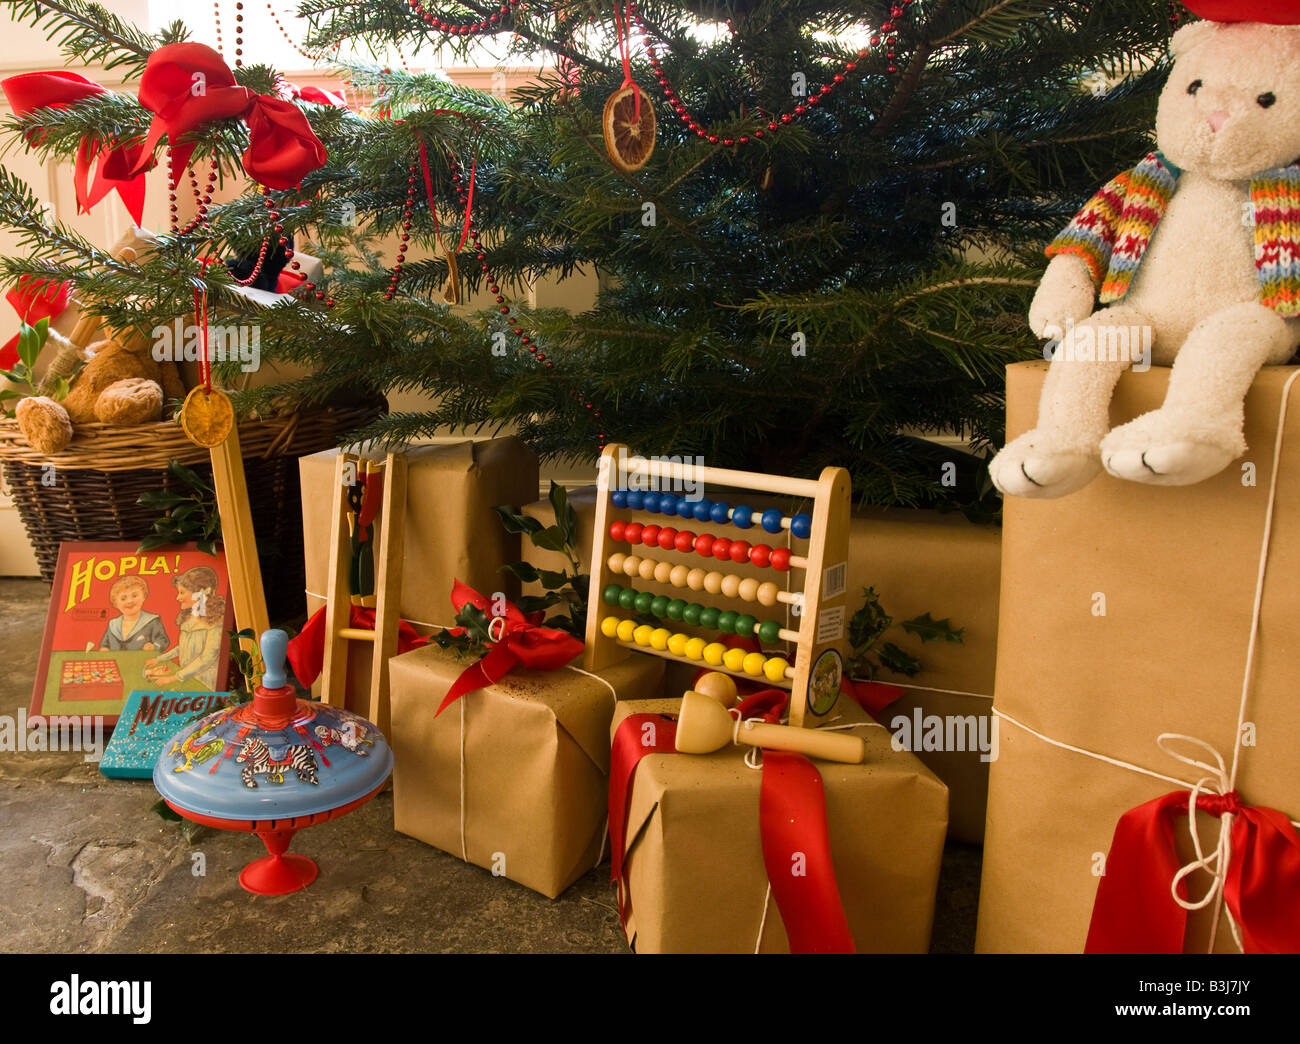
x=686 y=508
x=667 y=503
x=720 y=512
x=702 y=510
x=619 y=498
x=742 y=517
x=801 y=525
x=650 y=502
x=772 y=520
x=635 y=498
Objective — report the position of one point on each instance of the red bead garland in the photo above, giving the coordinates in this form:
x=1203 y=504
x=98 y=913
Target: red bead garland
x=488 y=24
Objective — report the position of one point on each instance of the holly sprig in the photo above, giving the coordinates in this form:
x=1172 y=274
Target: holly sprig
x=869 y=655
x=31 y=341
x=566 y=588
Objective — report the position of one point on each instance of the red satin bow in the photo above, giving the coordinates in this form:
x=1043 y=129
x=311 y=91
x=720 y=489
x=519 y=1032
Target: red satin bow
x=188 y=85
x=117 y=167
x=33 y=300
x=520 y=642
x=1135 y=911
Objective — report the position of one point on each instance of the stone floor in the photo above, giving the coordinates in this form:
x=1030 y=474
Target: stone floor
x=88 y=868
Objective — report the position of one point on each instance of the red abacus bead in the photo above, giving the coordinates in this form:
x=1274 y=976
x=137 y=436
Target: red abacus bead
x=667 y=535
x=633 y=532
x=618 y=531
x=684 y=541
x=649 y=535
x=704 y=545
x=722 y=548
x=740 y=551
x=781 y=559
x=760 y=555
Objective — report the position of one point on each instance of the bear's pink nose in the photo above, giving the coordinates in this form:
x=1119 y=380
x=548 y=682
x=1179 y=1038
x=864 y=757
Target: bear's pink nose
x=1217 y=120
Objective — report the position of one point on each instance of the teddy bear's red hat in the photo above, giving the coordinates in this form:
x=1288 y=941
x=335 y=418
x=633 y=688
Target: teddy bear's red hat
x=1274 y=12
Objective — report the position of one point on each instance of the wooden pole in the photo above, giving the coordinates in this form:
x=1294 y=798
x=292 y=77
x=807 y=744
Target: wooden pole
x=237 y=538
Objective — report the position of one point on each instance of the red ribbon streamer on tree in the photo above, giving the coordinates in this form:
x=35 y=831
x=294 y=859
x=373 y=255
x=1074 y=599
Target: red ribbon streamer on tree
x=33 y=300
x=520 y=642
x=1135 y=911
x=188 y=85
x=117 y=167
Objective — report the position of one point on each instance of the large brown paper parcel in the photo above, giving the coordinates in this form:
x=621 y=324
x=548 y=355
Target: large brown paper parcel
x=696 y=880
x=535 y=769
x=451 y=532
x=1126 y=612
x=919 y=562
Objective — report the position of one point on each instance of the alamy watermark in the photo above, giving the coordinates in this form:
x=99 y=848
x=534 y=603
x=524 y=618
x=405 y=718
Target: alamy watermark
x=1099 y=342
x=948 y=732
x=53 y=733
x=183 y=342
x=648 y=475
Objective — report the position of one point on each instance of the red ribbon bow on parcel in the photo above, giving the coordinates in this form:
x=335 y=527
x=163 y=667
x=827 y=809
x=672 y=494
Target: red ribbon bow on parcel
x=188 y=85
x=515 y=641
x=117 y=167
x=1142 y=904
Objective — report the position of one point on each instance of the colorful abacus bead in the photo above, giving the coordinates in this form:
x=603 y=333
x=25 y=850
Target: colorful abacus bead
x=627 y=598
x=781 y=558
x=659 y=607
x=695 y=648
x=635 y=499
x=744 y=625
x=643 y=601
x=659 y=639
x=739 y=551
x=641 y=635
x=609 y=627
x=611 y=594
x=731 y=586
x=742 y=517
x=677 y=643
x=768 y=593
x=774 y=669
x=667 y=504
x=702 y=510
x=632 y=534
x=667 y=538
x=801 y=526
x=704 y=545
x=771 y=520
x=760 y=555
x=626 y=630
x=619 y=498
x=727 y=621
x=753 y=664
x=721 y=549
x=713 y=653
x=650 y=535
x=748 y=589
x=769 y=631
x=720 y=512
x=618 y=531
x=684 y=541
x=685 y=508
x=734 y=659
x=650 y=502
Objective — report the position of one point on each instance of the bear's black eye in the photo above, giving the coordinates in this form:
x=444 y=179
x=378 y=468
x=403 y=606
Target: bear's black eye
x=1266 y=100
x=1194 y=86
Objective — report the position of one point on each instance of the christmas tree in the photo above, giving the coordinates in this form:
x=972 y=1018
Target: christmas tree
x=827 y=254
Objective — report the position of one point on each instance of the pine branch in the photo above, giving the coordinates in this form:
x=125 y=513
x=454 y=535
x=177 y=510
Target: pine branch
x=91 y=34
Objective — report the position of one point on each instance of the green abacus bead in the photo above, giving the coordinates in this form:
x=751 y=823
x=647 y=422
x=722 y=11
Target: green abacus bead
x=709 y=617
x=769 y=631
x=745 y=625
x=611 y=594
x=643 y=601
x=627 y=598
x=659 y=606
x=727 y=621
x=676 y=608
x=691 y=614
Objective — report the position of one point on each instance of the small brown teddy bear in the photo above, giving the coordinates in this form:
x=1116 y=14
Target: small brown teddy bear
x=122 y=384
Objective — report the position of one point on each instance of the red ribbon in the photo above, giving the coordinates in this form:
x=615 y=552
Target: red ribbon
x=33 y=300
x=188 y=85
x=118 y=168
x=521 y=642
x=307 y=647
x=872 y=697
x=792 y=826
x=1135 y=911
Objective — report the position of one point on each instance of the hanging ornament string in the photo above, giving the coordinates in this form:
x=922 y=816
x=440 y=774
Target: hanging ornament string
x=201 y=321
x=207 y=415
x=623 y=32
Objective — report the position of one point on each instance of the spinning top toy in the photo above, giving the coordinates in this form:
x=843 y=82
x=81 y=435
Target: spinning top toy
x=704 y=725
x=273 y=766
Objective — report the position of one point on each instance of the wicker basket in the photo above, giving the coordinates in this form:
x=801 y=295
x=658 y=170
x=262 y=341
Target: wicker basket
x=98 y=478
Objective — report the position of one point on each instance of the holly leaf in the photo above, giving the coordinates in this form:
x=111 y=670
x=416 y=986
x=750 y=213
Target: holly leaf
x=929 y=629
x=895 y=659
x=524 y=570
x=515 y=521
x=869 y=622
x=549 y=539
x=538 y=603
x=154 y=540
x=552 y=579
x=565 y=519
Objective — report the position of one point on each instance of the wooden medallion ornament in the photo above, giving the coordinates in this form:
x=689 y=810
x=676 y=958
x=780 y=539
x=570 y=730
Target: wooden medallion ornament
x=628 y=121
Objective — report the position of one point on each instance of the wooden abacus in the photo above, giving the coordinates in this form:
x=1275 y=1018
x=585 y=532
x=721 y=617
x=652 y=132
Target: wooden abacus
x=688 y=630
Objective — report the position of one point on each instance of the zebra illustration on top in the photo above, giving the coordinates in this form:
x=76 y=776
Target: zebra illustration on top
x=351 y=737
x=257 y=760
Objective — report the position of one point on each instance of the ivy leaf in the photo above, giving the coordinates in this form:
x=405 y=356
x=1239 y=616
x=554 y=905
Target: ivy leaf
x=895 y=659
x=929 y=629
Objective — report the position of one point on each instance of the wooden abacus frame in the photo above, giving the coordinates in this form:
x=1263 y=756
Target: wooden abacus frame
x=823 y=618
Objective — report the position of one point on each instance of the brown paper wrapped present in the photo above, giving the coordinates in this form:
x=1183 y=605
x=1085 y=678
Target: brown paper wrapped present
x=451 y=531
x=1126 y=614
x=694 y=863
x=512 y=777
x=919 y=562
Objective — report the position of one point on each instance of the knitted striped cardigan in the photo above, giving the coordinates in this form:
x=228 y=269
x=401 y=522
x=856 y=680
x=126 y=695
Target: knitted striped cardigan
x=1113 y=230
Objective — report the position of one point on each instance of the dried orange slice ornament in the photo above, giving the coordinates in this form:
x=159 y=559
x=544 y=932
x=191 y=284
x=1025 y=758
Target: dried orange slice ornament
x=629 y=140
x=207 y=417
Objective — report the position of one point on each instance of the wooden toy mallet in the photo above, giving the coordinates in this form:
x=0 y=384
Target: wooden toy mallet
x=704 y=725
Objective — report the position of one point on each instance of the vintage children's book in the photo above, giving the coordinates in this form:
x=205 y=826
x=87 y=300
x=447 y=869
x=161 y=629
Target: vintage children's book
x=122 y=619
x=148 y=723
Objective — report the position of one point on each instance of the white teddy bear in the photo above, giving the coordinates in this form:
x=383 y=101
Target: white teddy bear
x=1199 y=244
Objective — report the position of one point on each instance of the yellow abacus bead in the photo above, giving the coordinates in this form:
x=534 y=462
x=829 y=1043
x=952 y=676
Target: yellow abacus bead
x=767 y=593
x=753 y=664
x=616 y=562
x=647 y=568
x=609 y=627
x=713 y=582
x=659 y=638
x=677 y=644
x=734 y=659
x=774 y=669
x=731 y=585
x=663 y=570
x=695 y=648
x=678 y=576
x=642 y=634
x=748 y=589
x=631 y=564
x=714 y=653
x=626 y=629
x=695 y=579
